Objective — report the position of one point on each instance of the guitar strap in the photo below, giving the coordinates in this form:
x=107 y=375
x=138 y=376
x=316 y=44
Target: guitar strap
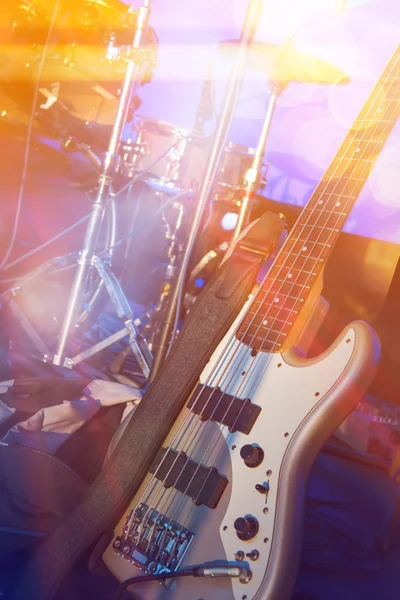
x=210 y=318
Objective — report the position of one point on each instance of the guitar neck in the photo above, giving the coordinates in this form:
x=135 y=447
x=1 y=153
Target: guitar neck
x=290 y=280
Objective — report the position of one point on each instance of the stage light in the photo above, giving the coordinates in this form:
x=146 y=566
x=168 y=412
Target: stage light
x=228 y=221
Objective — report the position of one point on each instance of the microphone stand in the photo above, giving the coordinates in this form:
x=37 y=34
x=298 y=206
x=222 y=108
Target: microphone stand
x=209 y=176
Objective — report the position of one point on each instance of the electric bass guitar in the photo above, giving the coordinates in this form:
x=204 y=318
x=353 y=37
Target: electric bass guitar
x=220 y=513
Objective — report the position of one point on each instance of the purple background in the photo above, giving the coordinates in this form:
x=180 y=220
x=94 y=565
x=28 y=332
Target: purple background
x=310 y=121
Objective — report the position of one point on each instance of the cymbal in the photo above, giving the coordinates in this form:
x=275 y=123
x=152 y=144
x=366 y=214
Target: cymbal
x=285 y=63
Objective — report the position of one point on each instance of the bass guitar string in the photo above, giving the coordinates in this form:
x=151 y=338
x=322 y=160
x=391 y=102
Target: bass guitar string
x=366 y=165
x=182 y=425
x=316 y=241
x=327 y=242
x=207 y=461
x=317 y=238
x=190 y=415
x=293 y=282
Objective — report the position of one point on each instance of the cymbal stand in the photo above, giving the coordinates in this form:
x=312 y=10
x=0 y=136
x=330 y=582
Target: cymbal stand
x=252 y=176
x=87 y=258
x=172 y=226
x=208 y=179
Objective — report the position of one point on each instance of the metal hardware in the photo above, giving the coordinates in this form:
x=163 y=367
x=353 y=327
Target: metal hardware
x=87 y=257
x=152 y=542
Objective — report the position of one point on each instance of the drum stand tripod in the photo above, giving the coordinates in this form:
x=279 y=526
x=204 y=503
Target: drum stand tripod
x=87 y=258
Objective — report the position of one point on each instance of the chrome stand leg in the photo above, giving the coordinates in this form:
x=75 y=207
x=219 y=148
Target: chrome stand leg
x=137 y=342
x=87 y=258
x=252 y=177
x=210 y=174
x=84 y=264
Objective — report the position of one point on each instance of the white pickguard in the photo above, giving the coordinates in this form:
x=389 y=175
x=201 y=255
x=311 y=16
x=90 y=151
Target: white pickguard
x=287 y=394
x=302 y=402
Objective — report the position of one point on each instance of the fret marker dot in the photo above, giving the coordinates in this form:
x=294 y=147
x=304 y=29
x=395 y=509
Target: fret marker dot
x=304 y=249
x=265 y=323
x=276 y=300
x=320 y=202
x=290 y=276
x=337 y=204
x=358 y=149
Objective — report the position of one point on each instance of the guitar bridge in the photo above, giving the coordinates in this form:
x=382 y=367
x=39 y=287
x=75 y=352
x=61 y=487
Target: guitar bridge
x=152 y=542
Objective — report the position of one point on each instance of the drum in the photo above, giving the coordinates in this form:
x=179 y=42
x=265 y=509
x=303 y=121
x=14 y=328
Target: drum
x=79 y=91
x=85 y=63
x=84 y=81
x=75 y=101
x=173 y=158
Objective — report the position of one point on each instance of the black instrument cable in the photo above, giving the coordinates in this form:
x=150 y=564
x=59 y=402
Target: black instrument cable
x=210 y=570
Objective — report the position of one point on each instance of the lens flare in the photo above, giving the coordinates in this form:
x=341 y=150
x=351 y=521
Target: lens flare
x=384 y=179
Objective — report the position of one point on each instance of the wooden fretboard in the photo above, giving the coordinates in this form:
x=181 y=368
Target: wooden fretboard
x=286 y=288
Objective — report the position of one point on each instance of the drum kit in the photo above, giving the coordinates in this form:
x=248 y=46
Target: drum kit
x=99 y=54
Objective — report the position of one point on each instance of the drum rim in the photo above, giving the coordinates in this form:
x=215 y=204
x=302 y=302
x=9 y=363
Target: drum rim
x=160 y=126
x=240 y=148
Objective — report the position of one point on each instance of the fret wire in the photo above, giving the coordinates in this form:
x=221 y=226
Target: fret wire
x=312 y=243
x=289 y=253
x=285 y=296
x=285 y=280
x=335 y=212
x=269 y=330
x=299 y=270
x=359 y=162
x=321 y=227
x=370 y=122
x=279 y=308
x=276 y=320
x=336 y=195
x=254 y=337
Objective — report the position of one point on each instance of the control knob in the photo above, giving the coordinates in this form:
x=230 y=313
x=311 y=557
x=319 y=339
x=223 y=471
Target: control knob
x=252 y=455
x=246 y=527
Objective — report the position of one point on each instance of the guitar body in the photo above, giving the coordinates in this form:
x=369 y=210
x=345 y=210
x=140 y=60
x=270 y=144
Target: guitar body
x=229 y=484
x=302 y=402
